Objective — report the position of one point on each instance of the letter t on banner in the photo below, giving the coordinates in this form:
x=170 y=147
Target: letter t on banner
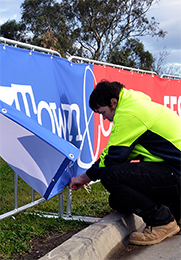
x=37 y=155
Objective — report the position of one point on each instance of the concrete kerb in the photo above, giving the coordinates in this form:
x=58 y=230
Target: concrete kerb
x=98 y=241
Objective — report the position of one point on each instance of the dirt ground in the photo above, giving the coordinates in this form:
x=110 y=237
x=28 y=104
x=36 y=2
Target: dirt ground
x=41 y=246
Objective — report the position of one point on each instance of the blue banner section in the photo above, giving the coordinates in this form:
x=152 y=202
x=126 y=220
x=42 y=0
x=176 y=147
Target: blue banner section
x=36 y=154
x=53 y=92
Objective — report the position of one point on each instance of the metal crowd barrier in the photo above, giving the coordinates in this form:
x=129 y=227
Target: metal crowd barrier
x=60 y=196
x=33 y=202
x=60 y=213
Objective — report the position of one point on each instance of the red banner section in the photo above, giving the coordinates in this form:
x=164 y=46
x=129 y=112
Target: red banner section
x=163 y=91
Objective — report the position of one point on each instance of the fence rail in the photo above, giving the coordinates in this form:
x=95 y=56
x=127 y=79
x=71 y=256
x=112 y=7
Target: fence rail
x=89 y=61
x=27 y=46
x=168 y=76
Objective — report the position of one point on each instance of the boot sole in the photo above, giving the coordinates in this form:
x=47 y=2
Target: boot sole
x=153 y=242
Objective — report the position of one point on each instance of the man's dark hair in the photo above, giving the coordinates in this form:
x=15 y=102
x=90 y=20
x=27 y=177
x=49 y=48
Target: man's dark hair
x=103 y=93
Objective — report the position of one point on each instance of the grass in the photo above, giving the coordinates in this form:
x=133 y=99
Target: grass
x=18 y=231
x=16 y=234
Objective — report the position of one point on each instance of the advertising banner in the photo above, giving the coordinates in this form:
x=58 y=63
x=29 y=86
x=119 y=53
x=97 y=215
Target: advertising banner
x=34 y=153
x=54 y=93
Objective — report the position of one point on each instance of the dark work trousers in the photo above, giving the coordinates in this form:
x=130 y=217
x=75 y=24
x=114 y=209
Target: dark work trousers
x=150 y=190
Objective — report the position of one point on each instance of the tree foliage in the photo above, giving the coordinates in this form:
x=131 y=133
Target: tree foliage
x=96 y=29
x=89 y=28
x=132 y=54
x=12 y=30
x=99 y=26
x=44 y=17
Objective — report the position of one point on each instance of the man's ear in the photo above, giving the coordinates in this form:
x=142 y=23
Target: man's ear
x=114 y=103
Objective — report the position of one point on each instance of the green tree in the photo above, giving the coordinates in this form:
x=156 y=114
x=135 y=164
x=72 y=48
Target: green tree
x=12 y=30
x=132 y=54
x=43 y=17
x=99 y=26
x=88 y=28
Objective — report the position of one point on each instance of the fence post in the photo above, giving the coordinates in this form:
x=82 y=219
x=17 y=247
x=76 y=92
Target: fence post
x=32 y=195
x=60 y=205
x=69 y=198
x=15 y=190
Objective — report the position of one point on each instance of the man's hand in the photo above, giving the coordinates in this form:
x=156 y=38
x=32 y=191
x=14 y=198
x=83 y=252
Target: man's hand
x=80 y=181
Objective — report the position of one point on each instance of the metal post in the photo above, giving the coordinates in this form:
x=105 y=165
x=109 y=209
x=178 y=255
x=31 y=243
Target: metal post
x=60 y=205
x=15 y=190
x=32 y=195
x=69 y=199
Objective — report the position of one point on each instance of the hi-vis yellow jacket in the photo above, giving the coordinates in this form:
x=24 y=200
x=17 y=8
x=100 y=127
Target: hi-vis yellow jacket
x=143 y=130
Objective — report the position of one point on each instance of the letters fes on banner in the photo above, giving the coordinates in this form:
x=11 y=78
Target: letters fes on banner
x=54 y=93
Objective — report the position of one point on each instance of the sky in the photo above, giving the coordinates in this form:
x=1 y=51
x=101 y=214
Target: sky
x=167 y=13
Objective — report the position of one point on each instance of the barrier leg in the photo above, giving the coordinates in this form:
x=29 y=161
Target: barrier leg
x=60 y=204
x=15 y=190
x=69 y=199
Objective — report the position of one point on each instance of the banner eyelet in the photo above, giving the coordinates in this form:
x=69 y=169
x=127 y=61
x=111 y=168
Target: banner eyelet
x=71 y=155
x=4 y=110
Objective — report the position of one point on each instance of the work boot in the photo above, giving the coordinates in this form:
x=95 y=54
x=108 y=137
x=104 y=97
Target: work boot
x=179 y=224
x=154 y=235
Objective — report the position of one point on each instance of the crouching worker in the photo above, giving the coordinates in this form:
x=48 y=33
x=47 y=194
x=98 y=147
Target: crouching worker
x=151 y=133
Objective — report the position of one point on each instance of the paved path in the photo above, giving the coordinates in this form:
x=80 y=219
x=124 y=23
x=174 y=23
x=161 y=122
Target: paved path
x=169 y=249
